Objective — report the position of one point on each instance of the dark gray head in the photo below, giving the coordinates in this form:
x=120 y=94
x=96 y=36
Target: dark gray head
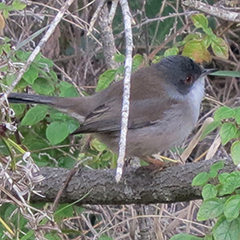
x=180 y=71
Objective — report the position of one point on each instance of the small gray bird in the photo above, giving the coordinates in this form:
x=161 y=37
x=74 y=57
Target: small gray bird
x=164 y=107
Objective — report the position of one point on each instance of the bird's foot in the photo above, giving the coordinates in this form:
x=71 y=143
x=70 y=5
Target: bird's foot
x=154 y=164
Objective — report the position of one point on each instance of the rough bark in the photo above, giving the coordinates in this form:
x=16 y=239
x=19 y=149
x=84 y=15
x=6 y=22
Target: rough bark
x=140 y=186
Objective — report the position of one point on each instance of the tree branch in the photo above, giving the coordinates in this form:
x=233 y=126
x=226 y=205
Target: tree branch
x=139 y=186
x=213 y=10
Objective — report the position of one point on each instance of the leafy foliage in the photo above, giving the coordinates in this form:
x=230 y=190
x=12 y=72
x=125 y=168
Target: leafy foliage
x=196 y=45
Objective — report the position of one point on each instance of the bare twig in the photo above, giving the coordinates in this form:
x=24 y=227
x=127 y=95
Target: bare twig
x=126 y=89
x=44 y=39
x=213 y=11
x=95 y=16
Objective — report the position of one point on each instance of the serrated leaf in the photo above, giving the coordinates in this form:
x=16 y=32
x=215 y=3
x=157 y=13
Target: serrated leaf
x=215 y=168
x=235 y=152
x=224 y=113
x=30 y=75
x=200 y=21
x=196 y=50
x=220 y=48
x=229 y=183
x=34 y=115
x=210 y=209
x=183 y=236
x=232 y=207
x=227 y=132
x=209 y=191
x=171 y=51
x=224 y=230
x=190 y=37
x=200 y=179
x=207 y=41
x=210 y=127
x=43 y=86
x=56 y=132
x=105 y=79
x=222 y=177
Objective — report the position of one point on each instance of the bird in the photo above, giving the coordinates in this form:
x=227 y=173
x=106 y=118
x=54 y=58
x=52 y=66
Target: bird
x=165 y=101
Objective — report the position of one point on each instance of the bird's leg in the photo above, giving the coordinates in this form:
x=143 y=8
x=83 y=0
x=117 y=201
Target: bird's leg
x=154 y=164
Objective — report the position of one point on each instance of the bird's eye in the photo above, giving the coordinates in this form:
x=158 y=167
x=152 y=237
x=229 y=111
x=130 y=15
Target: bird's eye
x=189 y=80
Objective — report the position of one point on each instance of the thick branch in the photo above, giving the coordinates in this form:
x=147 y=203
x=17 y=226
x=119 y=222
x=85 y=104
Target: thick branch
x=213 y=10
x=137 y=185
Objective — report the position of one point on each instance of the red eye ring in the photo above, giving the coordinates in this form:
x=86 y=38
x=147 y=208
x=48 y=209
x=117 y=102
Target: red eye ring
x=189 y=80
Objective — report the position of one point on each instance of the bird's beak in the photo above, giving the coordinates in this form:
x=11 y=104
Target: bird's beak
x=208 y=71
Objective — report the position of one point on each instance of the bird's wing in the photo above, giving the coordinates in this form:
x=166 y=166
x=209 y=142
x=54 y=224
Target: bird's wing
x=107 y=117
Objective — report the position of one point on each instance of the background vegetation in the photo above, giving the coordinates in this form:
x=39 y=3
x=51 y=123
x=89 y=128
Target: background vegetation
x=85 y=54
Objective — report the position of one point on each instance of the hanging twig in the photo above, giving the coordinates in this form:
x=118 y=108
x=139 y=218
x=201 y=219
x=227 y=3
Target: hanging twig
x=126 y=88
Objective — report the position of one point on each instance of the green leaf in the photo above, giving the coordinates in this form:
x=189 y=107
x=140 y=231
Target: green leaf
x=34 y=115
x=56 y=132
x=237 y=115
x=210 y=209
x=209 y=191
x=105 y=79
x=207 y=41
x=196 y=50
x=222 y=177
x=18 y=5
x=119 y=58
x=98 y=145
x=2 y=6
x=28 y=235
x=43 y=86
x=227 y=132
x=200 y=21
x=67 y=90
x=200 y=179
x=224 y=230
x=235 y=152
x=208 y=237
x=190 y=37
x=18 y=109
x=215 y=168
x=63 y=211
x=232 y=207
x=226 y=73
x=72 y=124
x=183 y=236
x=171 y=51
x=220 y=48
x=104 y=237
x=210 y=127
x=30 y=75
x=224 y=113
x=137 y=61
x=30 y=38
x=229 y=182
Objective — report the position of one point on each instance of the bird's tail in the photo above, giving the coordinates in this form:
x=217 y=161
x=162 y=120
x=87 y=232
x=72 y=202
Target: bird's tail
x=29 y=98
x=75 y=107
